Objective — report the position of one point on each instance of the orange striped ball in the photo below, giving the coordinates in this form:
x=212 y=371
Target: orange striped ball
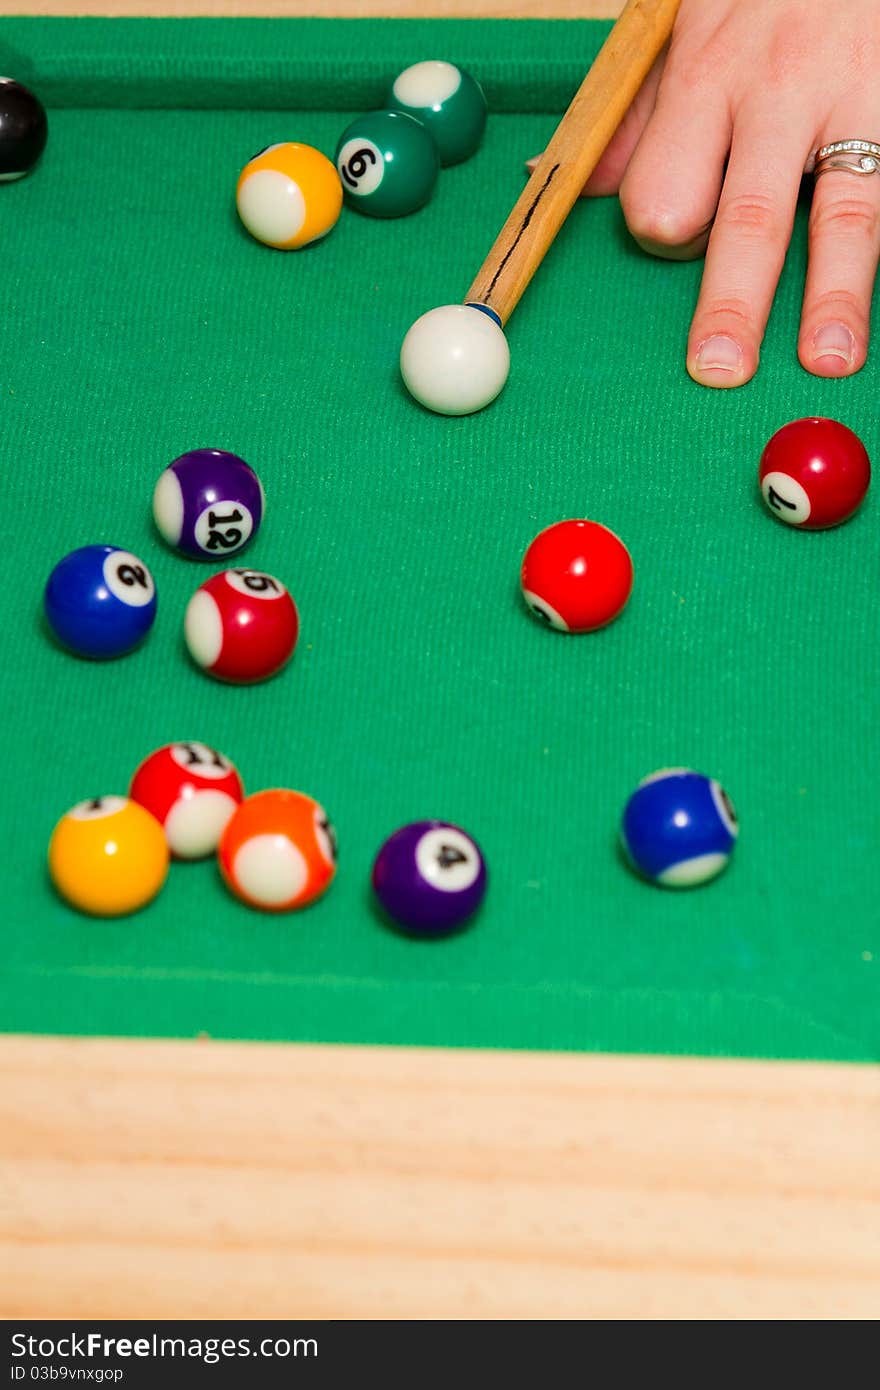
x=278 y=851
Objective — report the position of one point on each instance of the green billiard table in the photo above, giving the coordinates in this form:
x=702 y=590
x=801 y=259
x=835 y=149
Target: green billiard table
x=140 y=320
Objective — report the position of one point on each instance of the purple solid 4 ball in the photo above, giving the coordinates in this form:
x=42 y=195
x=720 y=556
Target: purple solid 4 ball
x=430 y=877
x=208 y=504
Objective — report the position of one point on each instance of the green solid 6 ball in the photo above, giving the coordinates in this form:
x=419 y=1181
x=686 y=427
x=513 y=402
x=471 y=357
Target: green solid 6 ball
x=388 y=164
x=447 y=101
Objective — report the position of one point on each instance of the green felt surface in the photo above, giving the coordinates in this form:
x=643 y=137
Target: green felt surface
x=140 y=320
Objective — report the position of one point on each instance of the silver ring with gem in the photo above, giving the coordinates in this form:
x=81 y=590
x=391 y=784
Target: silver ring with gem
x=852 y=156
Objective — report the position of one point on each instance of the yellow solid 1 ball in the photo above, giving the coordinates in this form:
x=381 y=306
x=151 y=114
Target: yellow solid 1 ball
x=108 y=856
x=289 y=195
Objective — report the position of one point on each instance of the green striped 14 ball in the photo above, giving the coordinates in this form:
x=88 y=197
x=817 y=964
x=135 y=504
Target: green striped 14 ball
x=447 y=101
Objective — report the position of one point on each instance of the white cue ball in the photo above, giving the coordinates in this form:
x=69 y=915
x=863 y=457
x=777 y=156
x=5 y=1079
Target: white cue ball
x=455 y=359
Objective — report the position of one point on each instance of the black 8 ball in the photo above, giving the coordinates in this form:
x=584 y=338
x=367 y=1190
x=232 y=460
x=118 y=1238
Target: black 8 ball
x=23 y=130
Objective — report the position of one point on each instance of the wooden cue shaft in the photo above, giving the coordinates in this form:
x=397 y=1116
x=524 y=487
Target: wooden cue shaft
x=580 y=139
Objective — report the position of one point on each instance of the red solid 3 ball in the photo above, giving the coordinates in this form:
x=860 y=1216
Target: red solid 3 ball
x=241 y=626
x=814 y=473
x=192 y=791
x=576 y=576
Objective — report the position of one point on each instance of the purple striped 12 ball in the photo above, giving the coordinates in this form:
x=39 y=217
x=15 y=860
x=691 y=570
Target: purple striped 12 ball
x=430 y=877
x=208 y=504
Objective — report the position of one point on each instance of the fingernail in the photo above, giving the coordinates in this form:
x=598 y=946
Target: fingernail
x=834 y=340
x=721 y=353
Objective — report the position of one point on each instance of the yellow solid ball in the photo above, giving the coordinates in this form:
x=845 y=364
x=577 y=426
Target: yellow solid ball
x=108 y=856
x=289 y=195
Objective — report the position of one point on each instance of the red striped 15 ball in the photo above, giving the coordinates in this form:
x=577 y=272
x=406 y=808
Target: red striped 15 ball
x=814 y=473
x=576 y=576
x=192 y=790
x=241 y=626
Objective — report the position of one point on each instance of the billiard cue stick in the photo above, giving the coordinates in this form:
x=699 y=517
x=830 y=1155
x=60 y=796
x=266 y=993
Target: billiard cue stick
x=580 y=140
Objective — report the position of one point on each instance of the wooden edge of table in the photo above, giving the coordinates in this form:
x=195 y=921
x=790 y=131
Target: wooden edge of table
x=350 y=9
x=206 y=1179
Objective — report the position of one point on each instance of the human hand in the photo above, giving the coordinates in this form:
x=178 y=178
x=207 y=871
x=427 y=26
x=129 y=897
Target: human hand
x=710 y=157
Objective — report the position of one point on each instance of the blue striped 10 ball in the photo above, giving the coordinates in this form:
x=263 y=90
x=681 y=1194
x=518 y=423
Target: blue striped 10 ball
x=679 y=828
